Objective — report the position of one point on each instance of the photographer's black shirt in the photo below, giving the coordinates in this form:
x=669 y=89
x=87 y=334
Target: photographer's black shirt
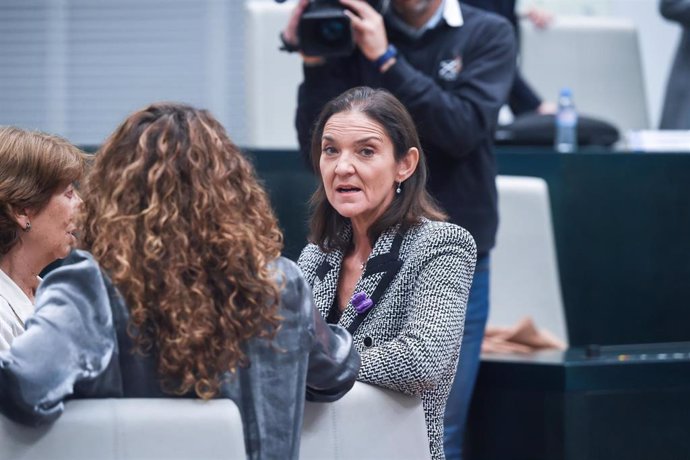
x=453 y=81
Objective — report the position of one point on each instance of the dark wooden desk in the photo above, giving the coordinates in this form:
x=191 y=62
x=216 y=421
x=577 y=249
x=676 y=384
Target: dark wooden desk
x=622 y=229
x=629 y=403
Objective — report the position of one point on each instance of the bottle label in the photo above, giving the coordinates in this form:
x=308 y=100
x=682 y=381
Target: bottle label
x=567 y=118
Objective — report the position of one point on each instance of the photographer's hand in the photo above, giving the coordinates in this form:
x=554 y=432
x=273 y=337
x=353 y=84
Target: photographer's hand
x=368 y=28
x=290 y=36
x=290 y=31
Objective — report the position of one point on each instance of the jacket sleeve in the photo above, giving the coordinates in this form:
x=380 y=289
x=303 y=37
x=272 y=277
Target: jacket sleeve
x=419 y=356
x=69 y=339
x=676 y=10
x=456 y=119
x=333 y=359
x=333 y=362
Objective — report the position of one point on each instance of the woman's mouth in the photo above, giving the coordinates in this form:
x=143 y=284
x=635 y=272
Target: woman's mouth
x=347 y=189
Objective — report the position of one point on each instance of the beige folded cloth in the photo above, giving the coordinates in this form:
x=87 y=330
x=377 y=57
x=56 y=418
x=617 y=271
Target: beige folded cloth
x=522 y=338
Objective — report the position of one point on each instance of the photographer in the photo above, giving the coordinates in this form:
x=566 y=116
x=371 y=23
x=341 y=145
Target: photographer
x=452 y=70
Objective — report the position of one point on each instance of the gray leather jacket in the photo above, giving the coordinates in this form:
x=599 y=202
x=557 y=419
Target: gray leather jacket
x=76 y=346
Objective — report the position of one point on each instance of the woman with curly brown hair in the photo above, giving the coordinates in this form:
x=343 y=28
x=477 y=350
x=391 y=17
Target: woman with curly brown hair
x=183 y=292
x=38 y=207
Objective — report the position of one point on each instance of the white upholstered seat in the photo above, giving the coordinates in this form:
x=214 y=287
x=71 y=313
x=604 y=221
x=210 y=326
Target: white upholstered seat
x=368 y=422
x=524 y=265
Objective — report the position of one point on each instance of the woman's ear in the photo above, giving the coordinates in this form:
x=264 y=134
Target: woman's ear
x=408 y=164
x=21 y=216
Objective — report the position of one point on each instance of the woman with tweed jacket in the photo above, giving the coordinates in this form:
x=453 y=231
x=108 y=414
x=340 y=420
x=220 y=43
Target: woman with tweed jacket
x=382 y=262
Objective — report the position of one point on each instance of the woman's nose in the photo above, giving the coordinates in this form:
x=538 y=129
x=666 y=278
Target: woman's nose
x=344 y=164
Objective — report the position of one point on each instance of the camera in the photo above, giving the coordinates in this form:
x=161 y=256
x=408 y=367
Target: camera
x=325 y=30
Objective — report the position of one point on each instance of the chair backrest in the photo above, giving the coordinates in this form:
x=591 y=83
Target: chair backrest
x=524 y=267
x=368 y=422
x=598 y=58
x=118 y=429
x=271 y=77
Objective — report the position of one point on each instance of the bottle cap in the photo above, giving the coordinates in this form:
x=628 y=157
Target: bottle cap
x=567 y=92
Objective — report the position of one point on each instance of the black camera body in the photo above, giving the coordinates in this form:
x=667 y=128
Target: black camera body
x=325 y=30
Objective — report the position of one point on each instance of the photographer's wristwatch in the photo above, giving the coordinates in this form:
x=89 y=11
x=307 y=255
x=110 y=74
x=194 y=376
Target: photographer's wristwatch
x=382 y=62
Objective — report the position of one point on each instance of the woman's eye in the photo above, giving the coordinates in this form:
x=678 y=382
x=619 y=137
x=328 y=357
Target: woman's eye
x=367 y=152
x=328 y=150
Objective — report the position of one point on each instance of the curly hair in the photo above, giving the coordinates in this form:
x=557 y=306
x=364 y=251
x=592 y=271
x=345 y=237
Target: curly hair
x=33 y=165
x=174 y=213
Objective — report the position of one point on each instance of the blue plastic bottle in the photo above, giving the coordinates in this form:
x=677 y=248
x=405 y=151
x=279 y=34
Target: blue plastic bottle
x=566 y=123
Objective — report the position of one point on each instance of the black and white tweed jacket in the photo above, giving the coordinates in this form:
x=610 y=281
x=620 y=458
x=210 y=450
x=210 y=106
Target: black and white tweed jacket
x=410 y=339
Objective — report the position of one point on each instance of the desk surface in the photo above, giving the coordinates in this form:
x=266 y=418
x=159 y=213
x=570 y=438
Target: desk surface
x=645 y=366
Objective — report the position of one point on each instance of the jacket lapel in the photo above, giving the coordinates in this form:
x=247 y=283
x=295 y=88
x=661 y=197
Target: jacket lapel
x=382 y=266
x=326 y=281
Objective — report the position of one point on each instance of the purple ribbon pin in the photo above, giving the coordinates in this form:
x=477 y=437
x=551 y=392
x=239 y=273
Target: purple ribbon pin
x=361 y=302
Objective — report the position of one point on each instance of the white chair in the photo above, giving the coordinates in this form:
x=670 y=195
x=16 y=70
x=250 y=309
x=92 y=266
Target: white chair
x=119 y=429
x=368 y=422
x=598 y=58
x=524 y=267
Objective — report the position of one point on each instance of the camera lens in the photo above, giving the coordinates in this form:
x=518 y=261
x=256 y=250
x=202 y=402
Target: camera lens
x=332 y=30
x=325 y=30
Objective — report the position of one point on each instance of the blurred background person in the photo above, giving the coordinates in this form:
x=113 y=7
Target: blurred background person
x=676 y=111
x=38 y=207
x=382 y=262
x=522 y=98
x=184 y=292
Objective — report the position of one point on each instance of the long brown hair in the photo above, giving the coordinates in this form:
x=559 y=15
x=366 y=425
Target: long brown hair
x=407 y=208
x=33 y=165
x=174 y=213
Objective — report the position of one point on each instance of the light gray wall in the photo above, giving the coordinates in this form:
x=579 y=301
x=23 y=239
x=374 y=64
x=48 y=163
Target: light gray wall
x=78 y=67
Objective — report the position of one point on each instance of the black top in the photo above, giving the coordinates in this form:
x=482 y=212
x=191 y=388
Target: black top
x=334 y=313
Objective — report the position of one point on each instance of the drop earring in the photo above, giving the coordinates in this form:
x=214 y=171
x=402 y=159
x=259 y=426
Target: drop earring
x=398 y=190
x=28 y=226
